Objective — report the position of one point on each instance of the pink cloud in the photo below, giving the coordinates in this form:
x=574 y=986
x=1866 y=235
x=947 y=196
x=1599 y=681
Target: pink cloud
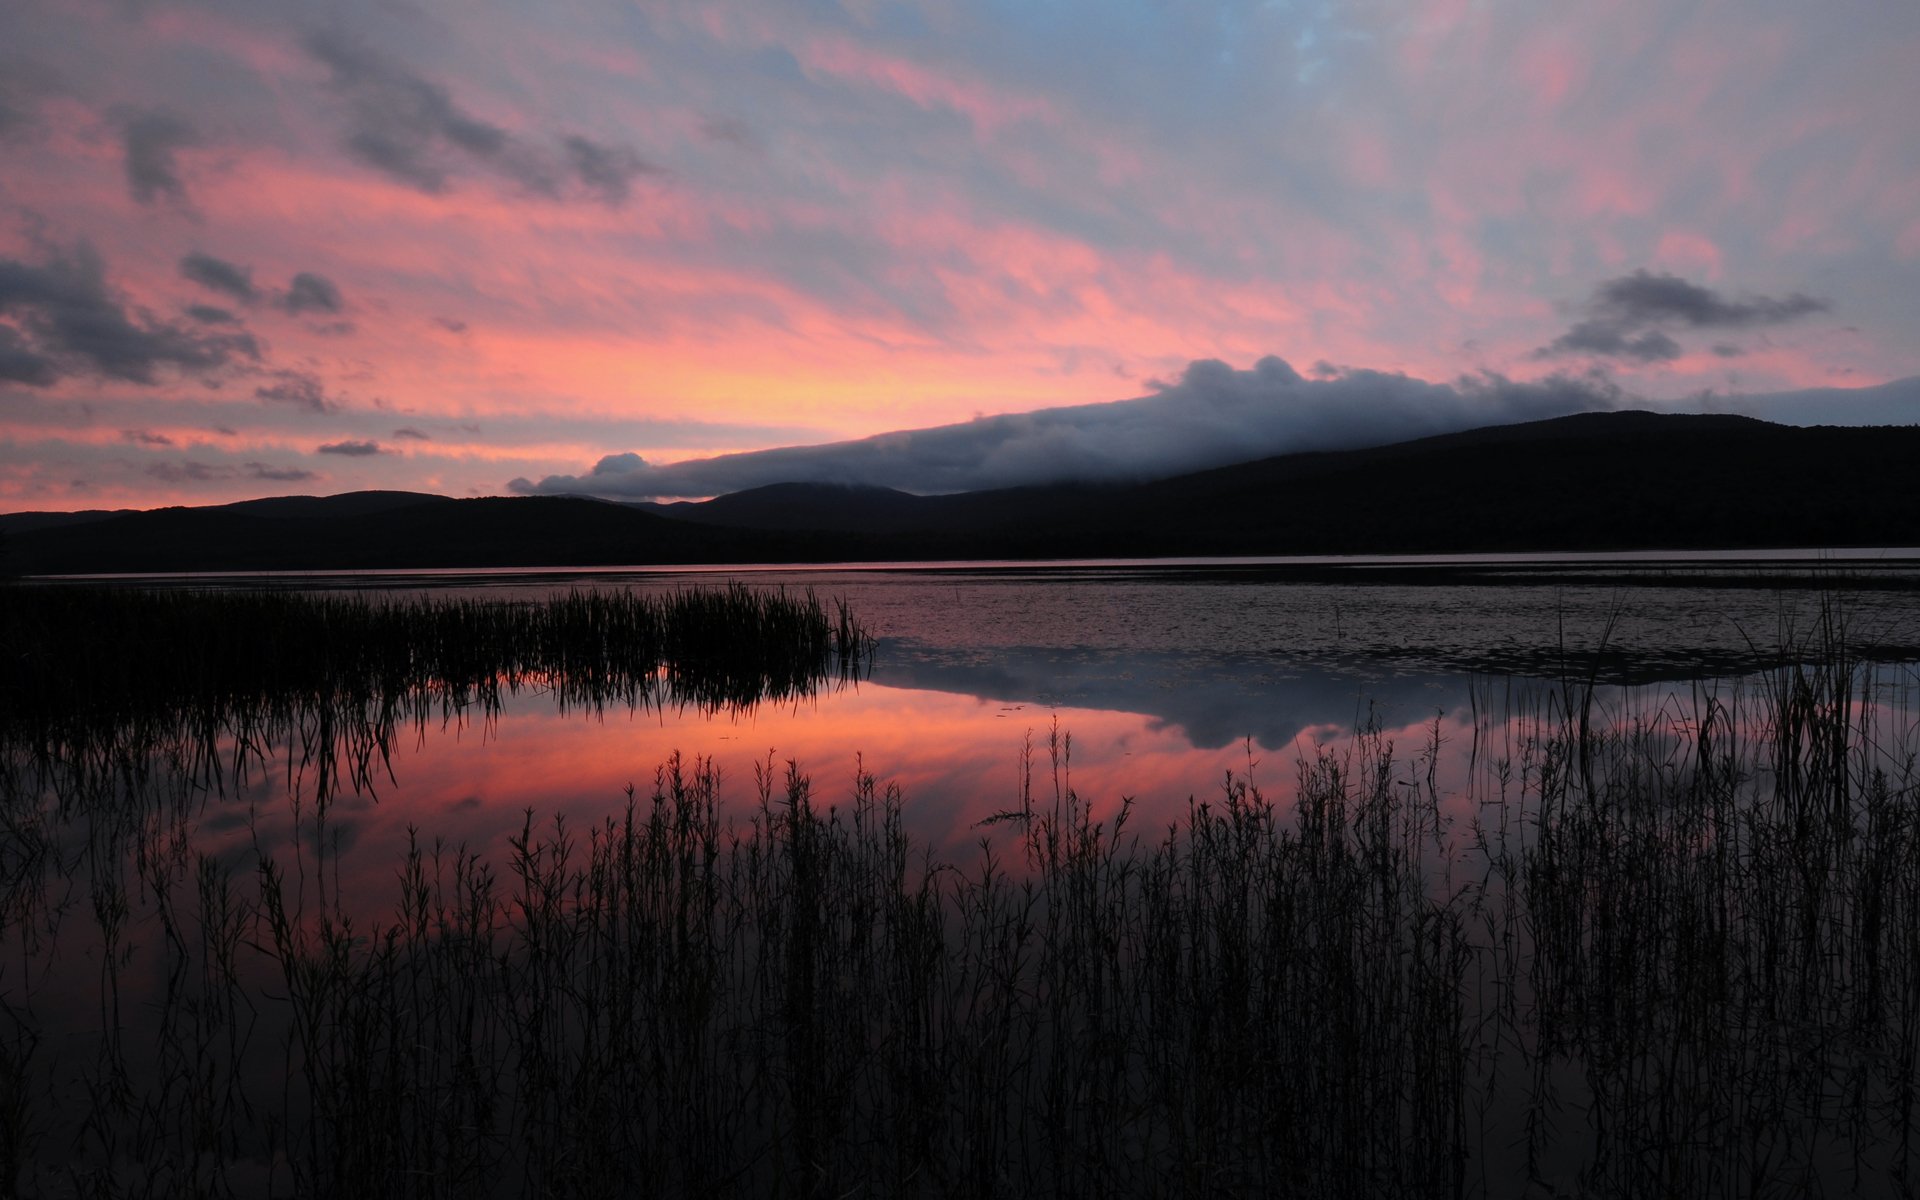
x=1553 y=71
x=988 y=107
x=1685 y=253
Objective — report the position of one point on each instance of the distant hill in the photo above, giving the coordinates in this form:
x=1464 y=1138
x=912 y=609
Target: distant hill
x=1596 y=481
x=349 y=504
x=22 y=522
x=435 y=532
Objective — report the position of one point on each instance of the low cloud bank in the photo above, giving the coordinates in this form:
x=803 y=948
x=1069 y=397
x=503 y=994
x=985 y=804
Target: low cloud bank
x=1213 y=416
x=1895 y=403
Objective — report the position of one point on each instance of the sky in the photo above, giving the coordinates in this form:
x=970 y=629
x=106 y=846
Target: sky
x=253 y=247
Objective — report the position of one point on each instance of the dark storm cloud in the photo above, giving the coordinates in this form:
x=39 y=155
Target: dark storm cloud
x=350 y=449
x=69 y=322
x=273 y=474
x=150 y=141
x=1214 y=415
x=297 y=390
x=1627 y=317
x=310 y=293
x=412 y=130
x=219 y=275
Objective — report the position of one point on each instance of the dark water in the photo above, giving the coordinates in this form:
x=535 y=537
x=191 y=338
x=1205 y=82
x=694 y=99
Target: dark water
x=1123 y=682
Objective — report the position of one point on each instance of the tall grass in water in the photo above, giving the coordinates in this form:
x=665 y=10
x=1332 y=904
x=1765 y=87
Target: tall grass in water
x=87 y=657
x=1663 y=953
x=103 y=683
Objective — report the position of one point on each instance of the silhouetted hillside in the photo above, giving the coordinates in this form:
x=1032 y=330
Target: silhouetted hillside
x=438 y=532
x=1598 y=481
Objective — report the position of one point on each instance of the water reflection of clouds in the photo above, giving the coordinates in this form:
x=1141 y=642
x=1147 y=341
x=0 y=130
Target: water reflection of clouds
x=1214 y=701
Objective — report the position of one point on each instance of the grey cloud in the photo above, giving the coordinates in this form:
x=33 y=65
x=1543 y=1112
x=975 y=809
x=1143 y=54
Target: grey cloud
x=20 y=363
x=607 y=171
x=1628 y=317
x=16 y=111
x=297 y=389
x=219 y=275
x=730 y=130
x=1643 y=298
x=190 y=471
x=412 y=434
x=351 y=449
x=310 y=293
x=142 y=437
x=208 y=314
x=401 y=123
x=1614 y=341
x=410 y=129
x=450 y=325
x=1214 y=415
x=273 y=474
x=150 y=141
x=69 y=322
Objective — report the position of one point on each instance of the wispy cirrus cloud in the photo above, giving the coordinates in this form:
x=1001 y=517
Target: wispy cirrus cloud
x=296 y=389
x=269 y=473
x=412 y=130
x=231 y=280
x=194 y=471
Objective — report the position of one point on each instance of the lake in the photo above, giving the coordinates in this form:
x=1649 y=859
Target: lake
x=1166 y=677
x=1143 y=688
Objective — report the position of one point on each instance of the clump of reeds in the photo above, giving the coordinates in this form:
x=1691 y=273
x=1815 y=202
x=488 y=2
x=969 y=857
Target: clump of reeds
x=99 y=654
x=107 y=687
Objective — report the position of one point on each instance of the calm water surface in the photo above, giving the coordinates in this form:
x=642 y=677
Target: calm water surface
x=1165 y=680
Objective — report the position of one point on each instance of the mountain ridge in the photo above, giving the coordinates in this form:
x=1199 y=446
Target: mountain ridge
x=1590 y=481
